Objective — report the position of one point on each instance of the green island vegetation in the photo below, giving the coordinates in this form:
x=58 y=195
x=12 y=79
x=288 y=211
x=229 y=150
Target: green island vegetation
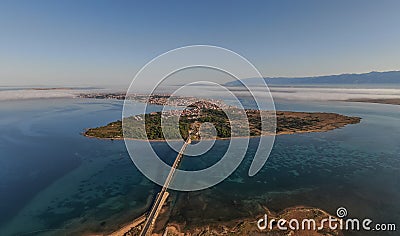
x=283 y=122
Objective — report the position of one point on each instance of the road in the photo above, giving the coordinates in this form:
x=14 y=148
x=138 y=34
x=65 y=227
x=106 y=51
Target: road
x=159 y=200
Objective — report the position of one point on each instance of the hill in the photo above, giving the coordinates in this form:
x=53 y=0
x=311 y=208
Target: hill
x=388 y=77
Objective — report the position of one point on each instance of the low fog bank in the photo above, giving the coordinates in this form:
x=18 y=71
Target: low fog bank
x=333 y=94
x=287 y=93
x=47 y=93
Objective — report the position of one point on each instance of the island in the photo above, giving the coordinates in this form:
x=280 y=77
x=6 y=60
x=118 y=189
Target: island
x=205 y=120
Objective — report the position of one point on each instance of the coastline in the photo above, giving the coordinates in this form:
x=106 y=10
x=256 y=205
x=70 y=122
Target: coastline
x=126 y=228
x=240 y=226
x=210 y=139
x=218 y=138
x=287 y=122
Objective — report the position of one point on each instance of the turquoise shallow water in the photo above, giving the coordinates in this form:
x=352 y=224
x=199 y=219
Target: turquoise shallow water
x=55 y=181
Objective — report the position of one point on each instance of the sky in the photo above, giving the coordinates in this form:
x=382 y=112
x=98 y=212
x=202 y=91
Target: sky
x=105 y=43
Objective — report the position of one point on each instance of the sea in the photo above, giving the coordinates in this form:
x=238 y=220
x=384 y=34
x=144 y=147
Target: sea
x=55 y=181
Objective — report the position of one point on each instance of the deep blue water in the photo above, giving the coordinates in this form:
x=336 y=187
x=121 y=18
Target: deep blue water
x=54 y=180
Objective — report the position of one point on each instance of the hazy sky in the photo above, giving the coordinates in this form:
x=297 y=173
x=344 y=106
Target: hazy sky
x=107 y=42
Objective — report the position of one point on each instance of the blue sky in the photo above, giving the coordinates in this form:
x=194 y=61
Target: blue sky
x=73 y=43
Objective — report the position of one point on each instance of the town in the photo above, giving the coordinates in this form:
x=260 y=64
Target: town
x=162 y=99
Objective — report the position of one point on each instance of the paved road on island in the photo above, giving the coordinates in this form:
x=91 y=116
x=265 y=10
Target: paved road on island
x=156 y=206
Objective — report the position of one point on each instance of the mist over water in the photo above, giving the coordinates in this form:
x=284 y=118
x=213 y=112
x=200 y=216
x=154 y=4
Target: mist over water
x=311 y=92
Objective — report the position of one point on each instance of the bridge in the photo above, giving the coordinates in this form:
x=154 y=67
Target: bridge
x=163 y=194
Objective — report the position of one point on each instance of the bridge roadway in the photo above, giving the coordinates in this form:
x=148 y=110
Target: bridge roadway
x=151 y=218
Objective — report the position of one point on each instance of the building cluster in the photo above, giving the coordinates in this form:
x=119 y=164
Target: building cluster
x=193 y=102
x=118 y=96
x=163 y=99
x=189 y=113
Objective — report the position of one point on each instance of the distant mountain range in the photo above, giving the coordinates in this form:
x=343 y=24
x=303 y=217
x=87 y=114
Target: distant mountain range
x=389 y=77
